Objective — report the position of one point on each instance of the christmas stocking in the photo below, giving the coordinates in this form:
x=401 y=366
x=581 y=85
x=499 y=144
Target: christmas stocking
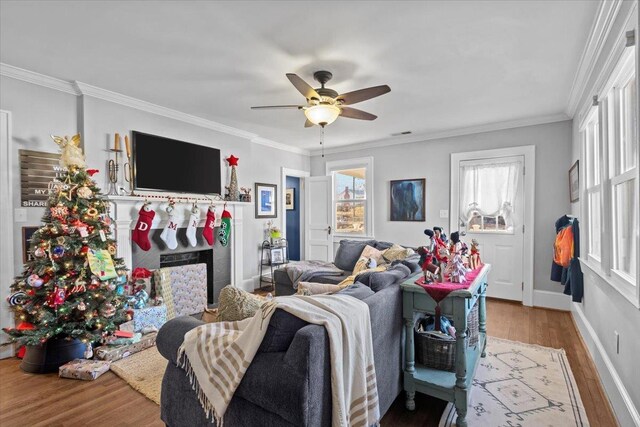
x=225 y=228
x=143 y=226
x=169 y=233
x=194 y=219
x=207 y=233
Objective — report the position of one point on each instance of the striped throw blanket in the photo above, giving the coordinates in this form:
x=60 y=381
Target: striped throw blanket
x=217 y=355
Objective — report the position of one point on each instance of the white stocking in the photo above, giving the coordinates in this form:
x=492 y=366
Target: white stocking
x=168 y=235
x=194 y=219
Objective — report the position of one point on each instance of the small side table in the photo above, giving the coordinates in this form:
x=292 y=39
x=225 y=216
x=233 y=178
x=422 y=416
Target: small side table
x=272 y=255
x=450 y=386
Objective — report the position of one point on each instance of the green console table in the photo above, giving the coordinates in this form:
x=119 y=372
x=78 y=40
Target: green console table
x=450 y=386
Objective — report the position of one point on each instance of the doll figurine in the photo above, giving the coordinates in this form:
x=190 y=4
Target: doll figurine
x=429 y=269
x=457 y=270
x=474 y=257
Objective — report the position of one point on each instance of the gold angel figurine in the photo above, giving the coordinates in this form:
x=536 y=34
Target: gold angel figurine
x=71 y=152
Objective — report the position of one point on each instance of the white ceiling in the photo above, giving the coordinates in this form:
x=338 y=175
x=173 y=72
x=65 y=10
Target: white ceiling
x=449 y=64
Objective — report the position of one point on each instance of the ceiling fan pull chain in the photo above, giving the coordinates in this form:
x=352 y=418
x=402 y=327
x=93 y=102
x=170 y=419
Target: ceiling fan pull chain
x=322 y=141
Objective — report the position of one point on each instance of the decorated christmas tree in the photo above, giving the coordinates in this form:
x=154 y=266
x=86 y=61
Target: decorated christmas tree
x=72 y=286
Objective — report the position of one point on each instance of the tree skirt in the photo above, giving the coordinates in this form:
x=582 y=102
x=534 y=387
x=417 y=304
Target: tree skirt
x=522 y=385
x=143 y=371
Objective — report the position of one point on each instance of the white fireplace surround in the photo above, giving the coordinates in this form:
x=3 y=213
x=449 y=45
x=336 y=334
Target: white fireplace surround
x=124 y=212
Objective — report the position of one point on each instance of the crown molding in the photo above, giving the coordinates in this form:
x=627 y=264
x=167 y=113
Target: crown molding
x=37 y=79
x=605 y=17
x=83 y=89
x=409 y=139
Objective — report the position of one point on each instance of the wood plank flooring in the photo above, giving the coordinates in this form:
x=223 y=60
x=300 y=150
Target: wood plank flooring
x=45 y=400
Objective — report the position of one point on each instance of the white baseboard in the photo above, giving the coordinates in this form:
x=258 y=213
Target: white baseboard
x=623 y=407
x=249 y=284
x=554 y=300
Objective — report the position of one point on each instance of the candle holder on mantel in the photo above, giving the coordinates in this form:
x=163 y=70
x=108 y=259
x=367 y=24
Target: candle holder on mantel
x=113 y=173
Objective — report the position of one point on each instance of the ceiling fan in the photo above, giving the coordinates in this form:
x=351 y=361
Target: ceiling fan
x=325 y=105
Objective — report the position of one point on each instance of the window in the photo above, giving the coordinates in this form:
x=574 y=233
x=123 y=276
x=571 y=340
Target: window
x=352 y=196
x=610 y=148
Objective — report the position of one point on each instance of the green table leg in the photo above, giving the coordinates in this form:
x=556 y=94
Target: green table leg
x=483 y=318
x=461 y=393
x=409 y=367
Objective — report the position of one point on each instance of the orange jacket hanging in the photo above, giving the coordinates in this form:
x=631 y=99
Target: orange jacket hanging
x=563 y=247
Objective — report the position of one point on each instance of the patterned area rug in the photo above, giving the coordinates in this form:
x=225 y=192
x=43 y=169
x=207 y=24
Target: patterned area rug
x=143 y=371
x=522 y=385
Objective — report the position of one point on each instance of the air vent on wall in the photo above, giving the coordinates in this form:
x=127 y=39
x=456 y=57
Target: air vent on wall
x=406 y=132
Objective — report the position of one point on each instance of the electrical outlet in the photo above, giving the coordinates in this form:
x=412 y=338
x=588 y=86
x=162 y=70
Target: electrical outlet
x=617 y=335
x=20 y=215
x=444 y=213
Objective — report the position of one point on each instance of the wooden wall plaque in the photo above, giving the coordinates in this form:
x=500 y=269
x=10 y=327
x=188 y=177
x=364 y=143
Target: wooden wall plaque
x=37 y=170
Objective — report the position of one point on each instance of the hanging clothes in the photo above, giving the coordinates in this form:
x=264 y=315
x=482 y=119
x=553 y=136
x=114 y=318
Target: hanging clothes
x=566 y=268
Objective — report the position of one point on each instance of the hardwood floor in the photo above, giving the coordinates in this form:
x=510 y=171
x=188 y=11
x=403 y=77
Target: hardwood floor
x=45 y=400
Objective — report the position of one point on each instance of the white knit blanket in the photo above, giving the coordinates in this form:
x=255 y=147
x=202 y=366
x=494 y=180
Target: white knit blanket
x=217 y=355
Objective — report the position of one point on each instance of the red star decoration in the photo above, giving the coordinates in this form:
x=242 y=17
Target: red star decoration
x=233 y=160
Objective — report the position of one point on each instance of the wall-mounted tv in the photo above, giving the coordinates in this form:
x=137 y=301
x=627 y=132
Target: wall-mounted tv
x=166 y=164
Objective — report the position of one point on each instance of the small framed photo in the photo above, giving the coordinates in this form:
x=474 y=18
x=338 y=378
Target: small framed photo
x=266 y=200
x=277 y=256
x=290 y=199
x=27 y=233
x=574 y=182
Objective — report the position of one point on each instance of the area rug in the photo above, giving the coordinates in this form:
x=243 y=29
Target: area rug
x=143 y=371
x=522 y=385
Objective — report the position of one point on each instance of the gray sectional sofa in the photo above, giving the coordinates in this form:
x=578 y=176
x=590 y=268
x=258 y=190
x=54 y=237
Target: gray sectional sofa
x=288 y=382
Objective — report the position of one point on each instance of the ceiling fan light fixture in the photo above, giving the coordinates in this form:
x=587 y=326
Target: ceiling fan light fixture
x=322 y=114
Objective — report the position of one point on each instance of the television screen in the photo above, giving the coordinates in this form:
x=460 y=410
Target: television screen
x=169 y=165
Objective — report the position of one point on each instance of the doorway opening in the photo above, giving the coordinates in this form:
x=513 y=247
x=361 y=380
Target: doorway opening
x=292 y=211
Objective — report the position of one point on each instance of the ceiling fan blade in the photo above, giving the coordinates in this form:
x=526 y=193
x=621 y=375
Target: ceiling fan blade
x=302 y=86
x=281 y=107
x=353 y=113
x=356 y=96
x=308 y=124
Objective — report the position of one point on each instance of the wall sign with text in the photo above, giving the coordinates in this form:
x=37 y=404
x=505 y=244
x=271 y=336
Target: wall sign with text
x=37 y=171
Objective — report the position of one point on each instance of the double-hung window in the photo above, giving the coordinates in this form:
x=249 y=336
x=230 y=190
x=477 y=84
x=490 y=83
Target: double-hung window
x=610 y=150
x=352 y=196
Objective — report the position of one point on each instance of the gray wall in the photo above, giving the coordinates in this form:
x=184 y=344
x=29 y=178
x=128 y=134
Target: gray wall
x=604 y=308
x=38 y=111
x=431 y=160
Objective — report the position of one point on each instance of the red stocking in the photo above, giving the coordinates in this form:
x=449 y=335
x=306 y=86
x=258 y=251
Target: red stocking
x=143 y=226
x=207 y=233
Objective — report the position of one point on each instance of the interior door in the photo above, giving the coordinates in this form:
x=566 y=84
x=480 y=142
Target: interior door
x=6 y=232
x=500 y=233
x=318 y=219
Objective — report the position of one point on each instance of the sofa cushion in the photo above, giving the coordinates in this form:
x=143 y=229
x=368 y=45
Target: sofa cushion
x=396 y=252
x=395 y=274
x=237 y=304
x=380 y=245
x=372 y=253
x=349 y=252
x=414 y=267
x=357 y=290
x=283 y=326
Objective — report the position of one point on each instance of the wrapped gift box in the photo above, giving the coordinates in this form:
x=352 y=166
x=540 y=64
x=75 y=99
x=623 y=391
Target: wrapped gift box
x=117 y=352
x=152 y=316
x=84 y=369
x=127 y=326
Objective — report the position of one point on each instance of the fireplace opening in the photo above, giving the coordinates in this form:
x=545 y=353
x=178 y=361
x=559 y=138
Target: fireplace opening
x=193 y=257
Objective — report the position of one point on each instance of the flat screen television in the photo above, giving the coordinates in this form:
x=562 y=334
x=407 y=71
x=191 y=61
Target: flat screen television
x=166 y=164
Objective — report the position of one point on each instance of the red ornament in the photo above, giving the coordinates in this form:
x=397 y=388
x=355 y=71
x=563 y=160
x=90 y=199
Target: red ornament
x=233 y=160
x=92 y=172
x=84 y=249
x=56 y=298
x=23 y=326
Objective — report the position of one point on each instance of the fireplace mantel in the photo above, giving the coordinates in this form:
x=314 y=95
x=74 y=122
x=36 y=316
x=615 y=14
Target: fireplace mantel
x=124 y=212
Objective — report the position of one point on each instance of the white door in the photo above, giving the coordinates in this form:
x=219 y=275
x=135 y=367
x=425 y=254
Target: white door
x=488 y=204
x=6 y=233
x=318 y=220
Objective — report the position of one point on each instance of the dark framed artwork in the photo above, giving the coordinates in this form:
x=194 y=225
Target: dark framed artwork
x=407 y=200
x=574 y=182
x=27 y=233
x=266 y=200
x=290 y=199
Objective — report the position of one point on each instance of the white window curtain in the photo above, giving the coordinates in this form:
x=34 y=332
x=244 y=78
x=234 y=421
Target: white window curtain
x=489 y=189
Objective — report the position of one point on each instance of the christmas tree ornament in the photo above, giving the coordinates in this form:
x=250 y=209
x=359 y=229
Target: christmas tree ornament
x=141 y=233
x=233 y=182
x=192 y=228
x=39 y=253
x=56 y=298
x=78 y=287
x=92 y=172
x=84 y=192
x=168 y=234
x=209 y=225
x=103 y=236
x=88 y=352
x=71 y=154
x=17 y=298
x=101 y=264
x=111 y=286
x=81 y=306
x=112 y=249
x=84 y=249
x=60 y=240
x=107 y=310
x=224 y=233
x=35 y=281
x=59 y=211
x=58 y=251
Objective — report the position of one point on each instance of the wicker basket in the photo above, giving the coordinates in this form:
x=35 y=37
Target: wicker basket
x=439 y=351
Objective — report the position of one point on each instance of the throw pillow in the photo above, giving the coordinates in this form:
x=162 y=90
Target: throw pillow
x=311 y=288
x=363 y=264
x=371 y=252
x=237 y=304
x=396 y=252
x=349 y=252
x=210 y=315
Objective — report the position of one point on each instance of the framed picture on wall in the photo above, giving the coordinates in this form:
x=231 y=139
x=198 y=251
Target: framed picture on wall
x=407 y=200
x=574 y=182
x=266 y=200
x=290 y=199
x=27 y=233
